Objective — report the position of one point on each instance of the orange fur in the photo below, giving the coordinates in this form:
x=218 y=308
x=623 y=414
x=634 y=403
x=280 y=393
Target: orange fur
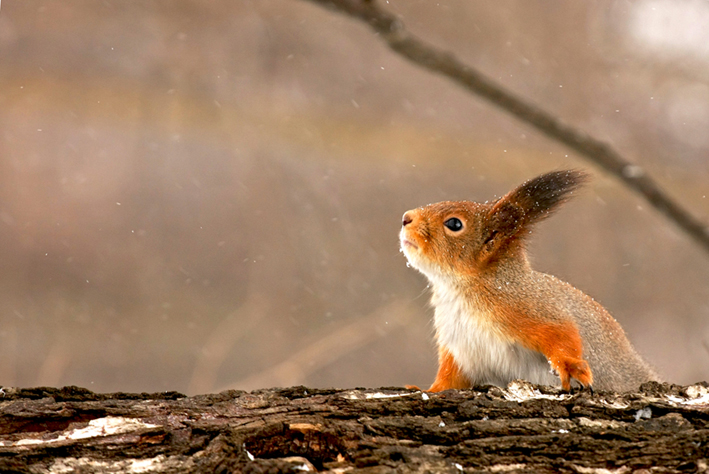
x=560 y=343
x=449 y=374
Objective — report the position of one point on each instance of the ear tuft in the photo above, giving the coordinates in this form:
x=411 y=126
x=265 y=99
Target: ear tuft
x=540 y=196
x=529 y=203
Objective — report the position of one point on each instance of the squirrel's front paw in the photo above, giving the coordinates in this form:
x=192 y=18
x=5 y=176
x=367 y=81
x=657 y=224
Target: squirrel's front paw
x=577 y=369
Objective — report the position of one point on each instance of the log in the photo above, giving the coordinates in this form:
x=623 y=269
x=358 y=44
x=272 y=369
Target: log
x=521 y=428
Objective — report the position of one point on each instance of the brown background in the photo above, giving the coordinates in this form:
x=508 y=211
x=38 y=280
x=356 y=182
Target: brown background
x=197 y=195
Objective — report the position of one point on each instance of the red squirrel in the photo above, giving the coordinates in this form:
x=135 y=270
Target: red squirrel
x=496 y=318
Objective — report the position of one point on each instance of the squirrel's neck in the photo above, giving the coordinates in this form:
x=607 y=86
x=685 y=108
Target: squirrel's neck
x=506 y=271
x=500 y=281
x=483 y=300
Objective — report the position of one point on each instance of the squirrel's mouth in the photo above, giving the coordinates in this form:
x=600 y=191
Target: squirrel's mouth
x=408 y=243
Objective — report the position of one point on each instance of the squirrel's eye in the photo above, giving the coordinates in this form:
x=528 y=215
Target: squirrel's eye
x=454 y=224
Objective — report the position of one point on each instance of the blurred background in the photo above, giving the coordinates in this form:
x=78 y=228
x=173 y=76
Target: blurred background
x=199 y=195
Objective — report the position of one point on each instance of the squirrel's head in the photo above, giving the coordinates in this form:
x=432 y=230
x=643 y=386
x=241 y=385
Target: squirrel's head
x=456 y=238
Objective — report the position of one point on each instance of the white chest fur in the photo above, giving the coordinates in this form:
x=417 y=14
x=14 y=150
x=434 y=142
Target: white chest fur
x=484 y=354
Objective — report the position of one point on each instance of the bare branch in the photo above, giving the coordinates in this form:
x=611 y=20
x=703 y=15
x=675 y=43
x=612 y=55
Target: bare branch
x=392 y=31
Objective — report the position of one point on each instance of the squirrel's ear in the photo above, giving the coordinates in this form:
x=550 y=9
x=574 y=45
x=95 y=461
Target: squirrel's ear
x=529 y=203
x=504 y=222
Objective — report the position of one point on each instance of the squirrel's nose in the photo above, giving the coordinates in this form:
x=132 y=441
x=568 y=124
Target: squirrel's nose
x=408 y=218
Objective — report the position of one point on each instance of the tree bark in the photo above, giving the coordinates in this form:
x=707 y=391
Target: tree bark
x=522 y=428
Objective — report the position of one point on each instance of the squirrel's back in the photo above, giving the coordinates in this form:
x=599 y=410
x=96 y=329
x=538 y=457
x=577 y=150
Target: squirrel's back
x=601 y=333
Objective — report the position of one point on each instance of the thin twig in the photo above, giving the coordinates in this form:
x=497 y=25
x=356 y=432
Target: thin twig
x=392 y=31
